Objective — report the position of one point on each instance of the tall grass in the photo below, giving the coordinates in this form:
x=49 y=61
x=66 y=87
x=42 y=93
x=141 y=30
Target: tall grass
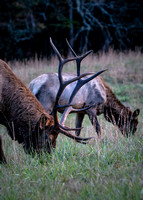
x=110 y=168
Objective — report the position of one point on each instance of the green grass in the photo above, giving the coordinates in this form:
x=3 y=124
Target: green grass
x=110 y=168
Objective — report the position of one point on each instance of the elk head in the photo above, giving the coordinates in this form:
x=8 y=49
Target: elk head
x=129 y=122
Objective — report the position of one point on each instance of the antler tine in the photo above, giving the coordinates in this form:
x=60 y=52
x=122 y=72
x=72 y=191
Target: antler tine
x=73 y=52
x=71 y=109
x=56 y=50
x=80 y=58
x=76 y=138
x=59 y=55
x=61 y=60
x=69 y=129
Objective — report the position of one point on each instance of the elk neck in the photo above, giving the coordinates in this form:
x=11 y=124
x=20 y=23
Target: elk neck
x=114 y=111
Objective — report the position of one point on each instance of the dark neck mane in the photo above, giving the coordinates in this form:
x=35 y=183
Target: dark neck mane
x=114 y=111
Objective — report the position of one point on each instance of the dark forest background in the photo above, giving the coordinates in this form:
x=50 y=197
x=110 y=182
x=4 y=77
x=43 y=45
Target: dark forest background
x=26 y=25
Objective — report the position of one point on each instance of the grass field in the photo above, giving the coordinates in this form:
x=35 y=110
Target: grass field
x=110 y=168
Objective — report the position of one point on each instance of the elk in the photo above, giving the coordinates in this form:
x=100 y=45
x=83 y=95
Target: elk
x=96 y=92
x=25 y=118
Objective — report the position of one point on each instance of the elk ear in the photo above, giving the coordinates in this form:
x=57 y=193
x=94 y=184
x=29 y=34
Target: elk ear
x=136 y=113
x=43 y=121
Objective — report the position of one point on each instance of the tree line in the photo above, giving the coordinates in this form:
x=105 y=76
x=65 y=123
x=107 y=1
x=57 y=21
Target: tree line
x=26 y=25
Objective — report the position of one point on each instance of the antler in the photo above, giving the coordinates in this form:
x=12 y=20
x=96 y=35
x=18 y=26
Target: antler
x=79 y=84
x=63 y=84
x=79 y=59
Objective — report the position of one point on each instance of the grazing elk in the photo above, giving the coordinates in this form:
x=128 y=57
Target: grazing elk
x=95 y=92
x=24 y=117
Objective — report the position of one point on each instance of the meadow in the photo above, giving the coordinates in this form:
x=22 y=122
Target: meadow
x=110 y=168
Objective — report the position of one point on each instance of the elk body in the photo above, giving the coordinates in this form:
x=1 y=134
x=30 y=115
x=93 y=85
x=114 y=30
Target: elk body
x=45 y=88
x=25 y=118
x=96 y=92
x=20 y=112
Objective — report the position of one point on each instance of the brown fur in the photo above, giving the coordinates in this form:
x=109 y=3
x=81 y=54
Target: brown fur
x=21 y=113
x=116 y=113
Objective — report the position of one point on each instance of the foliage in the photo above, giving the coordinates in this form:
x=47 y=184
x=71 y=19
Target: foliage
x=104 y=170
x=25 y=26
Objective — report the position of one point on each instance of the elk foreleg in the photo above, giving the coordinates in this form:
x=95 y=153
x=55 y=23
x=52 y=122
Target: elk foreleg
x=79 y=120
x=93 y=118
x=2 y=157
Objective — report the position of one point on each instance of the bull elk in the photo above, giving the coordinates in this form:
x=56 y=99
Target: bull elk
x=25 y=118
x=95 y=92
